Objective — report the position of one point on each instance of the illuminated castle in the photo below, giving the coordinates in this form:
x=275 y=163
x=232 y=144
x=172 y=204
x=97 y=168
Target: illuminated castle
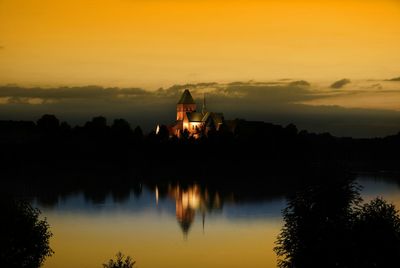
x=195 y=123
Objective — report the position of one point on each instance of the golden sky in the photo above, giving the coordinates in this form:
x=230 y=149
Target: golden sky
x=152 y=43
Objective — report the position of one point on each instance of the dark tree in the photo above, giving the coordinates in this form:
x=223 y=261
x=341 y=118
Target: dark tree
x=65 y=127
x=185 y=134
x=138 y=133
x=291 y=130
x=121 y=125
x=24 y=236
x=121 y=128
x=316 y=226
x=97 y=130
x=98 y=122
x=48 y=123
x=163 y=133
x=326 y=226
x=224 y=133
x=120 y=262
x=377 y=235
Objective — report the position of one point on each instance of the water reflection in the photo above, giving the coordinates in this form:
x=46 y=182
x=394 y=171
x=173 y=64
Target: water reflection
x=154 y=216
x=186 y=203
x=191 y=200
x=147 y=221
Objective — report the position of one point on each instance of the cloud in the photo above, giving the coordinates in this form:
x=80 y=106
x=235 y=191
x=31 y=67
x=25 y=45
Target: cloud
x=396 y=79
x=377 y=86
x=63 y=93
x=2 y=47
x=300 y=83
x=340 y=83
x=281 y=102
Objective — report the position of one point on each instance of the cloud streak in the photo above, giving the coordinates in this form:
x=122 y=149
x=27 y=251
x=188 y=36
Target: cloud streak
x=341 y=83
x=279 y=102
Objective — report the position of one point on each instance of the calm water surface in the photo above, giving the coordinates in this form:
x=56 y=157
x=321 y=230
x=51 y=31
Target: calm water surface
x=182 y=227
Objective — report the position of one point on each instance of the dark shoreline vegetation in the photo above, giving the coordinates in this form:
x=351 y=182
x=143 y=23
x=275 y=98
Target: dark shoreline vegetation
x=329 y=225
x=257 y=161
x=251 y=148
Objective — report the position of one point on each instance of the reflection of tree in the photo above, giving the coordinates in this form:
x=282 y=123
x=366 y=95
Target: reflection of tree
x=24 y=237
x=327 y=226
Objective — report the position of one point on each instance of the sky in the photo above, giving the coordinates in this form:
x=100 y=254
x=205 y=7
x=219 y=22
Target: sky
x=154 y=43
x=133 y=58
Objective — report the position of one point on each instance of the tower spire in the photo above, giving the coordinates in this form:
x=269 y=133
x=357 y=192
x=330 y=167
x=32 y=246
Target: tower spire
x=204 y=108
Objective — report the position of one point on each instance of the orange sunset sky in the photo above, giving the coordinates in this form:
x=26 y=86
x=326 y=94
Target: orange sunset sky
x=153 y=43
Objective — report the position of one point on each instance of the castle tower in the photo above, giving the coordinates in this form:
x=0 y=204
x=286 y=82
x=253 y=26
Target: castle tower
x=185 y=104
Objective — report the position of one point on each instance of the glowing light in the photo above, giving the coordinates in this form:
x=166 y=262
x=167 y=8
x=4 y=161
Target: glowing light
x=156 y=195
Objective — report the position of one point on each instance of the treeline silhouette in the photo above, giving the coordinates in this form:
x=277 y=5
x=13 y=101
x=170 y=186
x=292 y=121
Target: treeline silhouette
x=239 y=147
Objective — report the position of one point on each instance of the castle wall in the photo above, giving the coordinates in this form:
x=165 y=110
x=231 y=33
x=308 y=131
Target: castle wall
x=181 y=109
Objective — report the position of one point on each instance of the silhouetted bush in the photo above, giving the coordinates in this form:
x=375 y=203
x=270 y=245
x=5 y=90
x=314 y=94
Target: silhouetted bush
x=120 y=262
x=24 y=236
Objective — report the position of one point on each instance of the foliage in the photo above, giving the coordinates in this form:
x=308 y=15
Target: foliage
x=120 y=262
x=327 y=226
x=24 y=236
x=48 y=123
x=376 y=234
x=163 y=133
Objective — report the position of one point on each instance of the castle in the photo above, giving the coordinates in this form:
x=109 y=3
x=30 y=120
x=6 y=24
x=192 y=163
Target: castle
x=195 y=123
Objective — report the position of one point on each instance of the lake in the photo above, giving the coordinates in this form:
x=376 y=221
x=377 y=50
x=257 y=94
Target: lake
x=174 y=226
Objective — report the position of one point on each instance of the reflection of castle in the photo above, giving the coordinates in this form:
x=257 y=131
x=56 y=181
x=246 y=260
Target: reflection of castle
x=195 y=123
x=190 y=200
x=186 y=202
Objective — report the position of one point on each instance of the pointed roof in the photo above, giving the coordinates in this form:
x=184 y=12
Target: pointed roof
x=194 y=116
x=186 y=98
